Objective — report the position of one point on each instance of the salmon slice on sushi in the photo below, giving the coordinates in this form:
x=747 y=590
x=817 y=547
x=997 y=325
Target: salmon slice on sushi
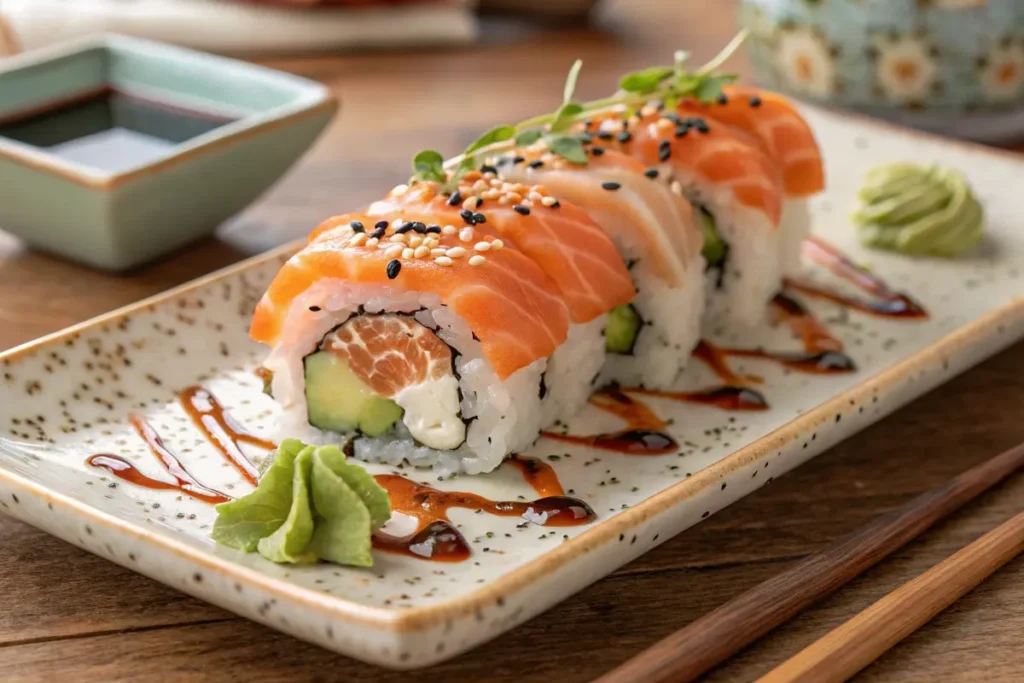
x=649 y=340
x=736 y=192
x=773 y=123
x=419 y=355
x=560 y=238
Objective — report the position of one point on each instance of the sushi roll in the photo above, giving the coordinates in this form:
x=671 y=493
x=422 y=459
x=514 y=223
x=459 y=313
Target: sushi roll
x=437 y=330
x=736 y=192
x=649 y=340
x=560 y=238
x=773 y=124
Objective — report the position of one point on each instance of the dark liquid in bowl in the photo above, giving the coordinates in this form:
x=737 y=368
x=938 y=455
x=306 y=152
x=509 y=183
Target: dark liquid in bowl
x=110 y=130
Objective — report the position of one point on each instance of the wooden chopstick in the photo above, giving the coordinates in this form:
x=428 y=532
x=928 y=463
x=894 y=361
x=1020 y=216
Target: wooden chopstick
x=849 y=648
x=713 y=638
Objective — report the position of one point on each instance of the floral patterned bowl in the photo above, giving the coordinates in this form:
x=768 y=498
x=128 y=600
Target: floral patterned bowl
x=949 y=66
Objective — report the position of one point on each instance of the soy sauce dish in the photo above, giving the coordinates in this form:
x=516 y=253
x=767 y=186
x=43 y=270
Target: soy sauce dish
x=114 y=151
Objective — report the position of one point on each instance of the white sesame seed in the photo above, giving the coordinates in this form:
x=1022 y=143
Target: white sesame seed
x=431 y=242
x=482 y=246
x=386 y=245
x=490 y=194
x=547 y=157
x=357 y=239
x=415 y=241
x=372 y=242
x=540 y=189
x=496 y=245
x=400 y=237
x=438 y=252
x=408 y=253
x=393 y=251
x=456 y=252
x=476 y=260
x=535 y=196
x=421 y=252
x=663 y=125
x=528 y=203
x=449 y=230
x=480 y=185
x=676 y=187
x=466 y=234
x=471 y=203
x=548 y=201
x=649 y=110
x=399 y=189
x=443 y=261
x=504 y=200
x=514 y=197
x=489 y=175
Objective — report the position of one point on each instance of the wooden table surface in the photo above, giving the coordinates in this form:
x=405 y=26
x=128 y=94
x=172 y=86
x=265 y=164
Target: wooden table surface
x=68 y=615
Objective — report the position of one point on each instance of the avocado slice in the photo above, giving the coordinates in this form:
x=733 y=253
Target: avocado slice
x=339 y=401
x=622 y=329
x=715 y=249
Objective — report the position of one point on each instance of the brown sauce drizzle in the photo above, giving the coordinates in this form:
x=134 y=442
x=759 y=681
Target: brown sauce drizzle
x=887 y=303
x=183 y=480
x=541 y=476
x=643 y=434
x=438 y=540
x=726 y=398
x=224 y=433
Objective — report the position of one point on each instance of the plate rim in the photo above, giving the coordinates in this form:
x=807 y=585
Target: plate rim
x=426 y=617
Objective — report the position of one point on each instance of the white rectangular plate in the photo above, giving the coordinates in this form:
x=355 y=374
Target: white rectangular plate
x=67 y=396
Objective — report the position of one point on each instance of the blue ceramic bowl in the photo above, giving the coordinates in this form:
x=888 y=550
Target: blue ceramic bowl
x=949 y=66
x=114 y=151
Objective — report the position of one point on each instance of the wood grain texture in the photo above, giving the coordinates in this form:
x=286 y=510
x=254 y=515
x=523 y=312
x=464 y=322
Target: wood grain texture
x=68 y=615
x=848 y=649
x=719 y=634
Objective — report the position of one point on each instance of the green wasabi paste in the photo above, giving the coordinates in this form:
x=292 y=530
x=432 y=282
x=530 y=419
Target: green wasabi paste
x=921 y=210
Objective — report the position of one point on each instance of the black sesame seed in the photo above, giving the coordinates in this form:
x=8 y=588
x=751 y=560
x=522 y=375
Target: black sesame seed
x=378 y=233
x=518 y=160
x=524 y=210
x=664 y=150
x=651 y=173
x=624 y=136
x=755 y=101
x=380 y=225
x=403 y=228
x=315 y=309
x=536 y=164
x=671 y=116
x=723 y=99
x=702 y=126
x=419 y=227
x=681 y=131
x=455 y=199
x=486 y=168
x=436 y=229
x=467 y=216
x=479 y=218
x=556 y=205
x=585 y=138
x=357 y=226
x=611 y=185
x=597 y=151
x=605 y=135
x=587 y=123
x=394 y=268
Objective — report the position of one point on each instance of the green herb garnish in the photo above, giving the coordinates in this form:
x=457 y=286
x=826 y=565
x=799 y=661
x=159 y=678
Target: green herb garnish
x=667 y=84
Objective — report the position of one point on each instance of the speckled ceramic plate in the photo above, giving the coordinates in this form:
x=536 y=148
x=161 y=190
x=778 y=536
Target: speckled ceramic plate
x=67 y=396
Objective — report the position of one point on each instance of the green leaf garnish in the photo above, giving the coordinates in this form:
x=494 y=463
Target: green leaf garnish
x=710 y=87
x=645 y=81
x=563 y=117
x=496 y=134
x=429 y=165
x=570 y=81
x=568 y=147
x=528 y=137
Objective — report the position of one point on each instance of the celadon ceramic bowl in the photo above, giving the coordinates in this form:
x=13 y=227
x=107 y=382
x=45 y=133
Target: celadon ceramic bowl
x=948 y=66
x=117 y=213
